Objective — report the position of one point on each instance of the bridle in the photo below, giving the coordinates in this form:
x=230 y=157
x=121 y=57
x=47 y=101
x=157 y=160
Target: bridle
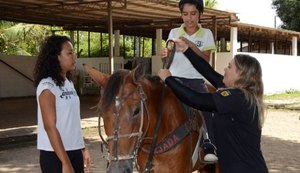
x=119 y=101
x=118 y=105
x=114 y=156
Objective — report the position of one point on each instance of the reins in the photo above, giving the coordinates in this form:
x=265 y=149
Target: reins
x=167 y=61
x=166 y=65
x=154 y=141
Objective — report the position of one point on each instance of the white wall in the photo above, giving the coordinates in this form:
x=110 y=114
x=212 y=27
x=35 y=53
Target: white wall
x=100 y=63
x=222 y=61
x=280 y=72
x=85 y=84
x=12 y=84
x=156 y=64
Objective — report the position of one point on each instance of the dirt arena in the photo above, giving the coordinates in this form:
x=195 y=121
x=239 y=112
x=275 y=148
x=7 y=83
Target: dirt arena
x=280 y=141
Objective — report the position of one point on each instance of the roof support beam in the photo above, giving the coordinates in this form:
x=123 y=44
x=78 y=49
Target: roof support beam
x=110 y=35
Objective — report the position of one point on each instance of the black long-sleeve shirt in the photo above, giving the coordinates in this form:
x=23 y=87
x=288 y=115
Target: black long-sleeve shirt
x=236 y=124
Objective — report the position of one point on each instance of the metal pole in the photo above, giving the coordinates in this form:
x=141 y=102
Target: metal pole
x=110 y=35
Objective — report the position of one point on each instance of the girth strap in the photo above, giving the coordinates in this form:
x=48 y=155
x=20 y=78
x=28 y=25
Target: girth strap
x=173 y=139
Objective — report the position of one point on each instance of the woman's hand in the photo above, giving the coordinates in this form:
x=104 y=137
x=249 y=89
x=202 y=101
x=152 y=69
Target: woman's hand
x=182 y=44
x=204 y=54
x=164 y=73
x=86 y=159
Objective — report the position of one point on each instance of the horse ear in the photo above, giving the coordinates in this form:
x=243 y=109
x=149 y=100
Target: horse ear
x=138 y=73
x=100 y=78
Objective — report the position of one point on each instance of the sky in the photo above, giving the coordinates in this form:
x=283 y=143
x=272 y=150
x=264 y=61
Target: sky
x=258 y=12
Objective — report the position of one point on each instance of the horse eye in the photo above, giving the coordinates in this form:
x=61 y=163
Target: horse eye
x=136 y=111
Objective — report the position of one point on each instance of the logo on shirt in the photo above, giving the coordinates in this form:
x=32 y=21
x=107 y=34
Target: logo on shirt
x=67 y=94
x=199 y=43
x=225 y=93
x=51 y=85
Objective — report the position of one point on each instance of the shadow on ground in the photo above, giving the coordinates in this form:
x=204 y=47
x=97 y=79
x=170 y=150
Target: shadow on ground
x=22 y=111
x=281 y=156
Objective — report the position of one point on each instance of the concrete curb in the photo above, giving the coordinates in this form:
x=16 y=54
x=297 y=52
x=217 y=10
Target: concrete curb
x=27 y=135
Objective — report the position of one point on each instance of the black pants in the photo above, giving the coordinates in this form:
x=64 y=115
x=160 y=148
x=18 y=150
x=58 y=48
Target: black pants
x=198 y=85
x=50 y=163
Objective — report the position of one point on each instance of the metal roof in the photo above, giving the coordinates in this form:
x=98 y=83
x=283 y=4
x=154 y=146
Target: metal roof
x=132 y=17
x=262 y=33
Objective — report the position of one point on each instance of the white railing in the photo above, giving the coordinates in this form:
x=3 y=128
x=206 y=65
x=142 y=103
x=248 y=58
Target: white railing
x=85 y=84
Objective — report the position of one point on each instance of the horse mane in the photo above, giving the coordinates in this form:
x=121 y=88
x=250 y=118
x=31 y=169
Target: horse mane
x=115 y=82
x=112 y=88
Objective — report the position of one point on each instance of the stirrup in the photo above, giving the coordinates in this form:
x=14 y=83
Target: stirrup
x=210 y=156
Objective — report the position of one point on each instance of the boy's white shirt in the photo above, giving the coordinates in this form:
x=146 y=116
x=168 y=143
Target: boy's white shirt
x=181 y=66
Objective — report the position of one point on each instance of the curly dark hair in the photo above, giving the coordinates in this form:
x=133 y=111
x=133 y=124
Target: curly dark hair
x=47 y=64
x=198 y=3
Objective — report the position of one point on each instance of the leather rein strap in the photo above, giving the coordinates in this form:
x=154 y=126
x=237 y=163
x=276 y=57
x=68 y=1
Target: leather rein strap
x=167 y=61
x=154 y=141
x=166 y=65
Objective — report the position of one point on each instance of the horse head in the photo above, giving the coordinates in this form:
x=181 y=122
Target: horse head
x=123 y=109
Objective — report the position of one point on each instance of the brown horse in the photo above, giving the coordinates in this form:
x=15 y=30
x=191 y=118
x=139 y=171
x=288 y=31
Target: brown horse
x=146 y=124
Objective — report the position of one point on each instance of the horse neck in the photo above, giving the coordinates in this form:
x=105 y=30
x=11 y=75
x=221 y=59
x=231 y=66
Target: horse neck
x=172 y=114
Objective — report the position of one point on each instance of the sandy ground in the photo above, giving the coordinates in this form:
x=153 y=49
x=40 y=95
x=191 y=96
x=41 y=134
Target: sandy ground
x=280 y=145
x=281 y=141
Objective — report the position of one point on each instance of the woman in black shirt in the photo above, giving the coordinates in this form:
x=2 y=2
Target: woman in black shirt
x=237 y=106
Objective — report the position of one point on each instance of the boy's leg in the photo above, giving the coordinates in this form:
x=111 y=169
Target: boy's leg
x=208 y=138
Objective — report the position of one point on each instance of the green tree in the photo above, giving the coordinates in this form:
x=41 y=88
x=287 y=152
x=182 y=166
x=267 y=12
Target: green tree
x=3 y=38
x=288 y=12
x=2 y=43
x=21 y=38
x=210 y=3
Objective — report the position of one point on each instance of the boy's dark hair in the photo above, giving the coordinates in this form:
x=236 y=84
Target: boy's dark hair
x=197 y=3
